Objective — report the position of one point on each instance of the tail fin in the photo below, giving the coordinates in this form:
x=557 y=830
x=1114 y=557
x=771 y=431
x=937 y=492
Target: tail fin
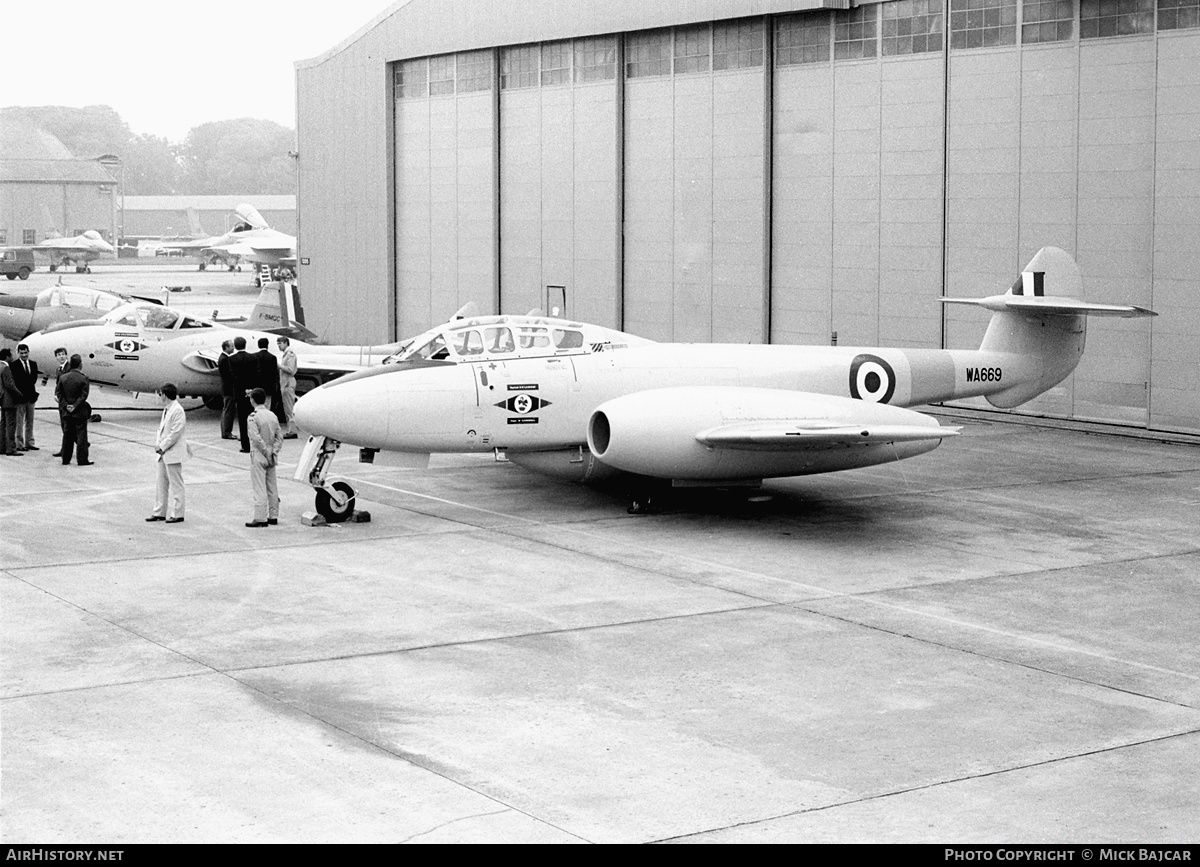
x=278 y=311
x=1042 y=320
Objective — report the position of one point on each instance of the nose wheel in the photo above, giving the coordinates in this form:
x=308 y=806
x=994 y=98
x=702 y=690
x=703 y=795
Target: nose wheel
x=335 y=505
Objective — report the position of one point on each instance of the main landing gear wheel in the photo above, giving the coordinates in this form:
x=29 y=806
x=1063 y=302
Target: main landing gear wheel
x=214 y=401
x=328 y=508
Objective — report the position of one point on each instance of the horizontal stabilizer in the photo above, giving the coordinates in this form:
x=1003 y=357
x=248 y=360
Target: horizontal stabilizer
x=1051 y=304
x=782 y=435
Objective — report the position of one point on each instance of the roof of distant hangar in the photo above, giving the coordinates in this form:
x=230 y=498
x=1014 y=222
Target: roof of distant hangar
x=415 y=28
x=29 y=154
x=209 y=203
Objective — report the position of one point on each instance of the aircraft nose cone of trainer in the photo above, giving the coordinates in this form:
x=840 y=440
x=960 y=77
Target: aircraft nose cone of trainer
x=16 y=315
x=351 y=412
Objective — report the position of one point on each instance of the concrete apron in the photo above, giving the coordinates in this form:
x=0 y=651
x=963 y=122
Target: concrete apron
x=993 y=642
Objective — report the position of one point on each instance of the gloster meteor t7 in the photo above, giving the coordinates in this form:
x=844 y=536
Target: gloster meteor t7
x=583 y=401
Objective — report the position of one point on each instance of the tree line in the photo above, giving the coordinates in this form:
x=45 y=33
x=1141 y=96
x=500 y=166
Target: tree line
x=247 y=156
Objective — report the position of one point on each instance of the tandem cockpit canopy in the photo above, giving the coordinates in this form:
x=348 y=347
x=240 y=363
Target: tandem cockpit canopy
x=153 y=316
x=496 y=337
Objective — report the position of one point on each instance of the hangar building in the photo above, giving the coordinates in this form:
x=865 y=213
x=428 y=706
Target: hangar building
x=46 y=192
x=765 y=171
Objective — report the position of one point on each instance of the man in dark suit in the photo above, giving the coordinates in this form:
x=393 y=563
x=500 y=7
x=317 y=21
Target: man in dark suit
x=268 y=372
x=60 y=358
x=244 y=368
x=25 y=374
x=10 y=396
x=229 y=408
x=73 y=388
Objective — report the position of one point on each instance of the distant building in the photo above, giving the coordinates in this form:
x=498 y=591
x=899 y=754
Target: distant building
x=167 y=216
x=777 y=171
x=46 y=191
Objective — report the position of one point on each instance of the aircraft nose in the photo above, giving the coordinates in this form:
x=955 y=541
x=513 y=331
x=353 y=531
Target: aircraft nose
x=16 y=315
x=351 y=412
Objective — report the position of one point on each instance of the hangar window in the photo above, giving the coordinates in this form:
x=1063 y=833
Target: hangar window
x=1047 y=20
x=412 y=79
x=802 y=38
x=556 y=63
x=1100 y=18
x=29 y=236
x=595 y=59
x=648 y=53
x=441 y=75
x=738 y=44
x=855 y=32
x=1172 y=15
x=693 y=46
x=518 y=67
x=982 y=23
x=915 y=26
x=474 y=71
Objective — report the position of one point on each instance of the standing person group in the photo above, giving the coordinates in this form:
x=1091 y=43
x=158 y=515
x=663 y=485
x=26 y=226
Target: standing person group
x=255 y=382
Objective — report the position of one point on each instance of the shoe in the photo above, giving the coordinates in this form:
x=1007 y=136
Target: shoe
x=256 y=523
x=245 y=451
x=230 y=437
x=157 y=518
x=86 y=463
x=289 y=436
x=32 y=449
x=56 y=455
x=272 y=521
x=15 y=455
x=174 y=520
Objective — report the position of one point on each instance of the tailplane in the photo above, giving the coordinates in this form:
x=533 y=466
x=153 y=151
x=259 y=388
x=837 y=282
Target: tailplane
x=1041 y=323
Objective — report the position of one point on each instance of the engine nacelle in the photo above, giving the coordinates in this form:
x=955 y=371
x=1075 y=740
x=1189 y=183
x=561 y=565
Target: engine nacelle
x=572 y=465
x=655 y=433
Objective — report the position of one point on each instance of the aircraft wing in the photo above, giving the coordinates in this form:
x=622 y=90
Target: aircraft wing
x=775 y=435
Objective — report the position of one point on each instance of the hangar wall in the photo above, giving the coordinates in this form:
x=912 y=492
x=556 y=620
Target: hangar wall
x=843 y=172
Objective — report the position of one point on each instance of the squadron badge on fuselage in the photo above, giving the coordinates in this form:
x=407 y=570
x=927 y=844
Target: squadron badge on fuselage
x=126 y=348
x=523 y=403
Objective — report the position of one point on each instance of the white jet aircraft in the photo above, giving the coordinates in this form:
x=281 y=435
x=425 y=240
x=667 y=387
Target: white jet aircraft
x=582 y=401
x=251 y=239
x=138 y=347
x=63 y=251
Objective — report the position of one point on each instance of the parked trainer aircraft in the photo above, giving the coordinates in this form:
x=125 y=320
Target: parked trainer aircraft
x=63 y=251
x=137 y=347
x=251 y=239
x=581 y=401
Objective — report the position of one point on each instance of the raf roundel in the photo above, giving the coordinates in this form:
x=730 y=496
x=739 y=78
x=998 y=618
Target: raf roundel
x=872 y=379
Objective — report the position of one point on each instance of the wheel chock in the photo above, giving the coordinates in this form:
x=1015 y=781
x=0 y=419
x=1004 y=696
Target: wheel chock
x=361 y=517
x=312 y=519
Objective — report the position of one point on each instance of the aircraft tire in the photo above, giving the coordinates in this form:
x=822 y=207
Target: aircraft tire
x=214 y=402
x=53 y=267
x=203 y=266
x=328 y=508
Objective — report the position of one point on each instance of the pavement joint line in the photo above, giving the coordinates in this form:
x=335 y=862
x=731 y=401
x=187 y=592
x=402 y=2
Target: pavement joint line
x=823 y=591
x=1019 y=638
x=937 y=784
